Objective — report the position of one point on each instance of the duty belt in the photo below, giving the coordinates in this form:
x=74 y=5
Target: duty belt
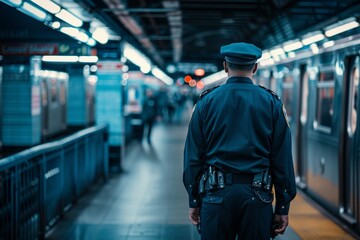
x=231 y=178
x=213 y=179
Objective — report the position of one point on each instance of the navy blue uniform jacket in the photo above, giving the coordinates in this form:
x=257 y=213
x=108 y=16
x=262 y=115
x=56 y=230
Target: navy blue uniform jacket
x=240 y=128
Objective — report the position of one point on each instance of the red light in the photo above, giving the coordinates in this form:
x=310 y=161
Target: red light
x=192 y=83
x=200 y=84
x=187 y=78
x=199 y=72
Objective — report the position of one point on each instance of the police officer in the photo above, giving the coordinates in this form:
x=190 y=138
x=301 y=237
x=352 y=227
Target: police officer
x=238 y=146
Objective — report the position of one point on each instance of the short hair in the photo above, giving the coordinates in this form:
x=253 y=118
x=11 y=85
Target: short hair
x=238 y=67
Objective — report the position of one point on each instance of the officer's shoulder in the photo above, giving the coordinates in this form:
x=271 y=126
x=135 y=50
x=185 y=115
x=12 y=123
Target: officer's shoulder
x=207 y=91
x=270 y=91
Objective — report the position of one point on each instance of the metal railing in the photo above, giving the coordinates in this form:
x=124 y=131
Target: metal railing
x=38 y=185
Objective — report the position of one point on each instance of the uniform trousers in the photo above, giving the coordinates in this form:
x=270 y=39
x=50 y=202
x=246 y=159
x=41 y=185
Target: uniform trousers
x=236 y=212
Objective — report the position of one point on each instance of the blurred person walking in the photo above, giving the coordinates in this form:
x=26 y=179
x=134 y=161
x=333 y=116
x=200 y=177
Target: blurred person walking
x=149 y=113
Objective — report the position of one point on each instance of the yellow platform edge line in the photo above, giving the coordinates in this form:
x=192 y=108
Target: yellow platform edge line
x=310 y=224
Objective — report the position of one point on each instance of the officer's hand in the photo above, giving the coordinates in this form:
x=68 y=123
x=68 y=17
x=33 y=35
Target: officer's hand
x=194 y=215
x=283 y=221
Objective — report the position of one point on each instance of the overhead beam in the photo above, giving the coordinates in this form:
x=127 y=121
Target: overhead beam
x=140 y=10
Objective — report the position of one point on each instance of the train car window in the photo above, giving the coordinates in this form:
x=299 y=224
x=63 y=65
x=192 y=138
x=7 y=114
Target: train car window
x=354 y=84
x=304 y=97
x=287 y=93
x=62 y=93
x=44 y=96
x=53 y=91
x=324 y=100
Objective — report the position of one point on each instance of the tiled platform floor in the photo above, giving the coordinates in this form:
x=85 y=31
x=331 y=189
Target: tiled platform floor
x=148 y=200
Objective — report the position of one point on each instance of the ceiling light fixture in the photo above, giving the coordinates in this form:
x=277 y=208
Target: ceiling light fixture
x=13 y=3
x=162 y=76
x=55 y=25
x=69 y=18
x=55 y=58
x=312 y=38
x=88 y=59
x=70 y=31
x=48 y=5
x=341 y=26
x=100 y=35
x=277 y=52
x=292 y=46
x=137 y=58
x=33 y=11
x=328 y=44
x=216 y=77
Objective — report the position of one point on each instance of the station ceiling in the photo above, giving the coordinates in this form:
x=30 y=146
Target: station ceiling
x=183 y=32
x=192 y=31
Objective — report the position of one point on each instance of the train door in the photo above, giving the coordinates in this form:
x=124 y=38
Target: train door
x=349 y=162
x=62 y=99
x=300 y=149
x=44 y=106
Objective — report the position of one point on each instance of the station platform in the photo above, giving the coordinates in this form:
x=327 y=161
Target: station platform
x=148 y=201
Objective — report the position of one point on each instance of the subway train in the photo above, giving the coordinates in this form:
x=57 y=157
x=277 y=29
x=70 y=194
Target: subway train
x=36 y=104
x=54 y=90
x=320 y=93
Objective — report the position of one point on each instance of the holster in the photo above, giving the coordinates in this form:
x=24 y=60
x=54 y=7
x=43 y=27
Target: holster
x=211 y=179
x=262 y=181
x=262 y=186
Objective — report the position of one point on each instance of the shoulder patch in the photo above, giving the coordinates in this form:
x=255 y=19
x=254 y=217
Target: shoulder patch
x=270 y=91
x=207 y=91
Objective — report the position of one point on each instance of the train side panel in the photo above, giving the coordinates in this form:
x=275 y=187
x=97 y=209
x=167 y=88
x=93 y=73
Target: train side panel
x=320 y=93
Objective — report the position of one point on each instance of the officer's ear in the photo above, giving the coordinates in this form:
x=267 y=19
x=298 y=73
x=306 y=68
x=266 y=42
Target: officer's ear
x=225 y=66
x=255 y=68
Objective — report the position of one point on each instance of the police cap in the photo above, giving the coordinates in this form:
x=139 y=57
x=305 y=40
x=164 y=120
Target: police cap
x=241 y=53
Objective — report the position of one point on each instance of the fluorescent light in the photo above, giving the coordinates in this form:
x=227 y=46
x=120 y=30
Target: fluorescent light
x=341 y=26
x=328 y=44
x=277 y=52
x=55 y=25
x=72 y=32
x=100 y=35
x=312 y=38
x=314 y=48
x=91 y=42
x=265 y=55
x=48 y=5
x=33 y=11
x=215 y=77
x=83 y=37
x=267 y=62
x=75 y=33
x=276 y=58
x=13 y=3
x=88 y=59
x=54 y=58
x=137 y=58
x=145 y=69
x=69 y=18
x=162 y=76
x=292 y=54
x=291 y=46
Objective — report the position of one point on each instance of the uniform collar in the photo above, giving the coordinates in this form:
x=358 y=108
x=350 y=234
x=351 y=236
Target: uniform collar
x=239 y=80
